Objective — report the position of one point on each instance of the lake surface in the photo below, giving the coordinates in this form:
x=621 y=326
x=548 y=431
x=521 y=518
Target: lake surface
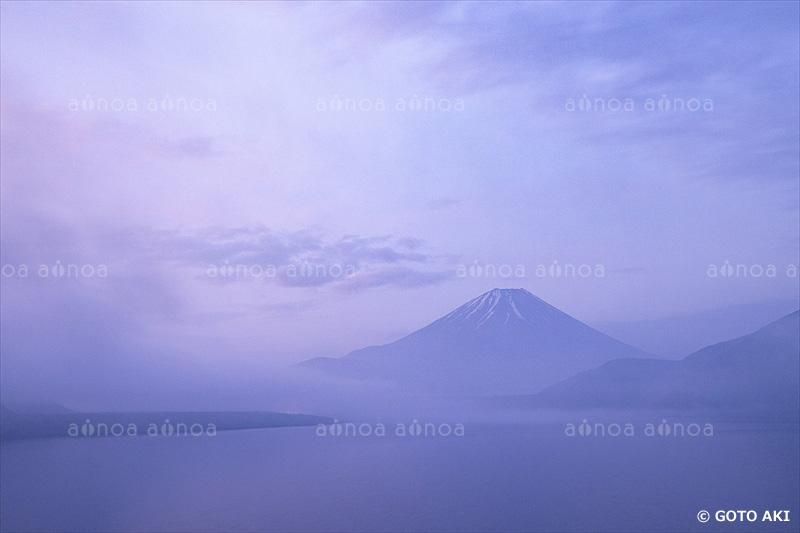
x=498 y=477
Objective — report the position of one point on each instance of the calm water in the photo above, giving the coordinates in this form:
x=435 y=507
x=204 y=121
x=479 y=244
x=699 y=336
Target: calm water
x=511 y=476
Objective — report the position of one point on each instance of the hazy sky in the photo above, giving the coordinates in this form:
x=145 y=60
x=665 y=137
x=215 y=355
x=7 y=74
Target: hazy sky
x=272 y=135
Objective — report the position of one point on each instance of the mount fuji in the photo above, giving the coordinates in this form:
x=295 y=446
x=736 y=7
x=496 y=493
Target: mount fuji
x=506 y=341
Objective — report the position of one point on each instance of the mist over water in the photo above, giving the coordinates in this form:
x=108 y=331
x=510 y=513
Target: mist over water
x=399 y=266
x=515 y=475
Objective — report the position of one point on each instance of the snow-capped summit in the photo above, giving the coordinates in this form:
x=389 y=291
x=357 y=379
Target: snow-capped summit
x=504 y=341
x=500 y=308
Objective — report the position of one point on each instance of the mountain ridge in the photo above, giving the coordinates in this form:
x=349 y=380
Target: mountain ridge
x=758 y=371
x=503 y=340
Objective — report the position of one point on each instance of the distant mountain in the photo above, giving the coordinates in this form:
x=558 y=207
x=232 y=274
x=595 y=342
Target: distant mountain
x=504 y=341
x=757 y=372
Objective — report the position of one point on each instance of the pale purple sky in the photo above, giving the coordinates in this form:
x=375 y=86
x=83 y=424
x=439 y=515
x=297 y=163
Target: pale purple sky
x=266 y=171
